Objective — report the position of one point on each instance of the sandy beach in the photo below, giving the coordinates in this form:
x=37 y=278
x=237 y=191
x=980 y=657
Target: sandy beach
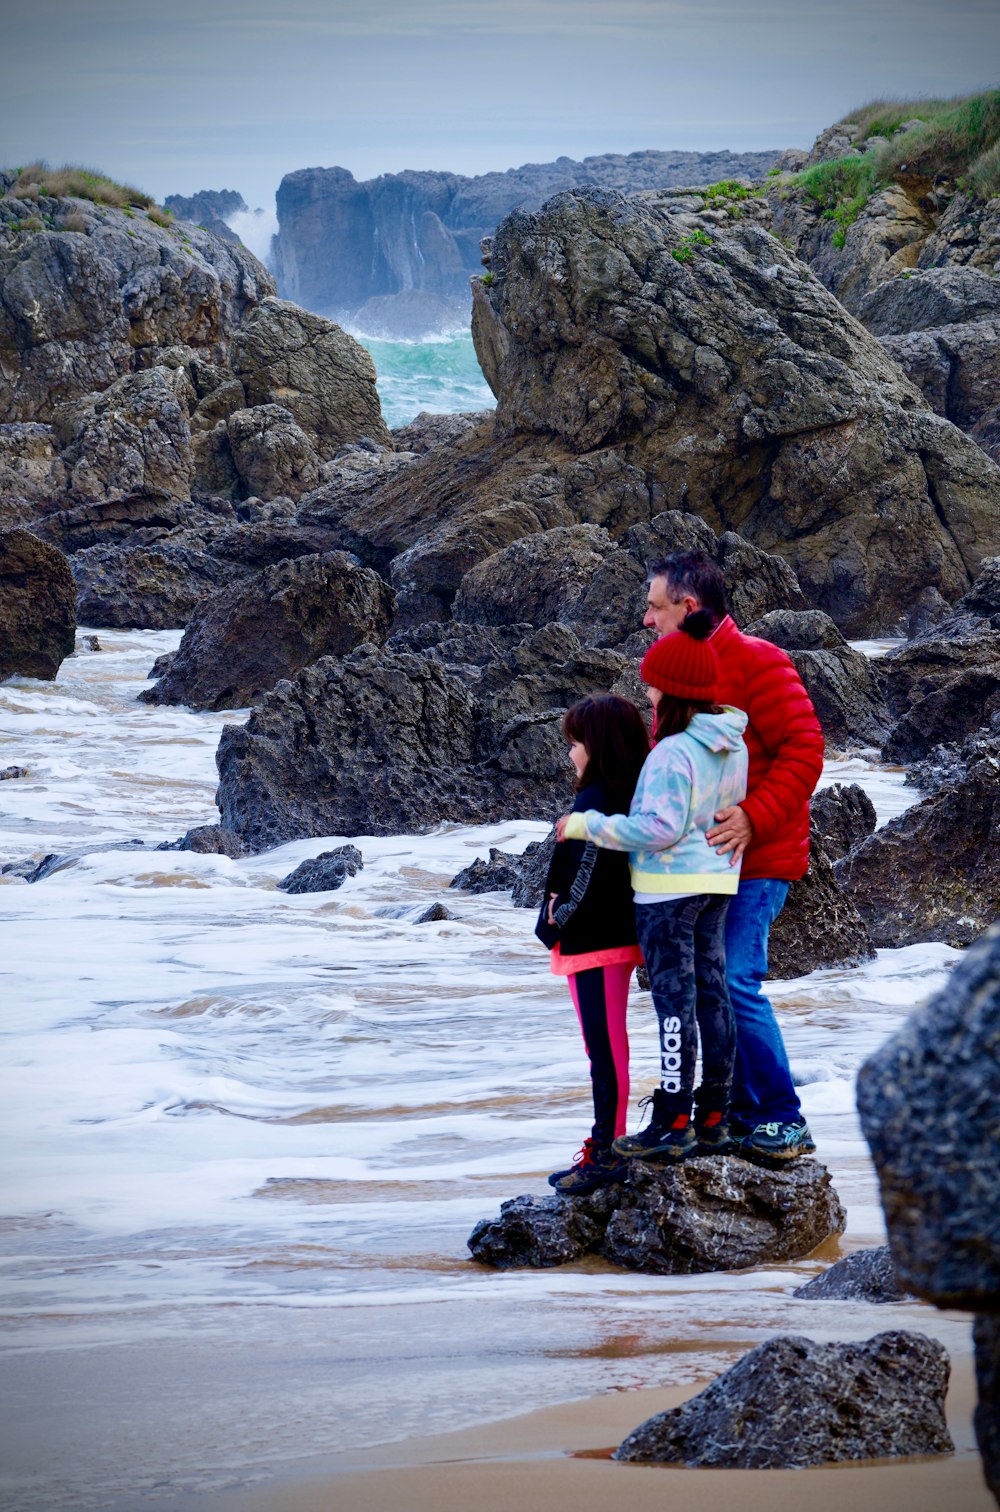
x=558 y=1458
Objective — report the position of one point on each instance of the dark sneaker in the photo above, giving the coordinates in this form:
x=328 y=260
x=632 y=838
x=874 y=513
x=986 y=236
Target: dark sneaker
x=713 y=1136
x=658 y=1143
x=778 y=1142
x=583 y=1156
x=599 y=1168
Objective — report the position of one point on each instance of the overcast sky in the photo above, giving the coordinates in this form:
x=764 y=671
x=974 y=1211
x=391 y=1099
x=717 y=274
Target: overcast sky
x=196 y=94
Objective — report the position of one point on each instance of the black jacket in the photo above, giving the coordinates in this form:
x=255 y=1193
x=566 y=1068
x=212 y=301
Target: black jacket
x=594 y=908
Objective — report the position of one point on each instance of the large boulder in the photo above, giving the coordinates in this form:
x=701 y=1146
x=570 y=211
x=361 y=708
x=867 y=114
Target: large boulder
x=743 y=391
x=840 y=680
x=792 y=1402
x=867 y=1275
x=841 y=816
x=133 y=436
x=97 y=296
x=325 y=872
x=933 y=872
x=707 y=1214
x=267 y=626
x=928 y=1100
x=271 y=454
x=287 y=356
x=37 y=606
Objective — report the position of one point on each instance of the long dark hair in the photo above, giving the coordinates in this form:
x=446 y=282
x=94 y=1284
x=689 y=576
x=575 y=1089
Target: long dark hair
x=672 y=715
x=617 y=742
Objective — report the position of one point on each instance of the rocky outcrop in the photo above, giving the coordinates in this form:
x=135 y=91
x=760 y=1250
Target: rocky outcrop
x=209 y=208
x=928 y=1101
x=498 y=873
x=83 y=307
x=133 y=437
x=738 y=390
x=841 y=816
x=37 y=603
x=289 y=357
x=155 y=587
x=405 y=244
x=820 y=926
x=578 y=576
x=706 y=1214
x=841 y=682
x=791 y=1402
x=932 y=873
x=867 y=1275
x=389 y=742
x=325 y=872
x=271 y=455
x=245 y=638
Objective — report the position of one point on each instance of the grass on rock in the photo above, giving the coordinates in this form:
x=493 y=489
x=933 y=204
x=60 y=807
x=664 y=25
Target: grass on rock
x=39 y=181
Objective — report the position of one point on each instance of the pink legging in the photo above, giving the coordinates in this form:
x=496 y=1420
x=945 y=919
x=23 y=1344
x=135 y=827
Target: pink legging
x=600 y=997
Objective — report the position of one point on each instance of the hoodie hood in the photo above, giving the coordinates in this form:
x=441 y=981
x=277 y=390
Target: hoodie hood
x=719 y=732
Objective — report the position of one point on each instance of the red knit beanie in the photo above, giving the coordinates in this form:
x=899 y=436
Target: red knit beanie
x=683 y=663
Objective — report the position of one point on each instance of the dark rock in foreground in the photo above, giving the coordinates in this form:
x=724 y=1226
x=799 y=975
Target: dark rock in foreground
x=207 y=840
x=37 y=607
x=987 y=1419
x=841 y=816
x=247 y=637
x=791 y=1403
x=866 y=1276
x=325 y=872
x=501 y=872
x=841 y=681
x=930 y=1108
x=932 y=873
x=706 y=1214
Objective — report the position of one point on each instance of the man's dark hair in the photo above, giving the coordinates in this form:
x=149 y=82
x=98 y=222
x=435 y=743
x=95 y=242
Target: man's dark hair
x=694 y=573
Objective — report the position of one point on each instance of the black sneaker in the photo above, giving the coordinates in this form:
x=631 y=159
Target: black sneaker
x=713 y=1136
x=669 y=1135
x=777 y=1142
x=598 y=1168
x=583 y=1156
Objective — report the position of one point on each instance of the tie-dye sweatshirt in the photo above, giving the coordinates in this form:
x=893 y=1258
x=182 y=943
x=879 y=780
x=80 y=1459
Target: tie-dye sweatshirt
x=686 y=779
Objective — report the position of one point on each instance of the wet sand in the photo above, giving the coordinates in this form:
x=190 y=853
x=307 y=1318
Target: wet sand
x=558 y=1459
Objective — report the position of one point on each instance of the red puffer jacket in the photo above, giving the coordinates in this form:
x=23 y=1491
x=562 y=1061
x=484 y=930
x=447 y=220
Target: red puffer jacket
x=785 y=744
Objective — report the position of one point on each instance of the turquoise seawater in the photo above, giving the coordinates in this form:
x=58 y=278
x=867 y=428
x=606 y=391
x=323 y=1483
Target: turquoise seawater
x=441 y=375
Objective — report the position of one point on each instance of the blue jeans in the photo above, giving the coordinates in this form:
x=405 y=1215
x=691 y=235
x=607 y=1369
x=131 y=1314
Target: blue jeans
x=762 y=1081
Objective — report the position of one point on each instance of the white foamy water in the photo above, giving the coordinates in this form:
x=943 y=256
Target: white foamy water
x=247 y=1133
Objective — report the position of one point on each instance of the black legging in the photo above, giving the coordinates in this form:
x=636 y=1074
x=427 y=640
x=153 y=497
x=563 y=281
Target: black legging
x=683 y=941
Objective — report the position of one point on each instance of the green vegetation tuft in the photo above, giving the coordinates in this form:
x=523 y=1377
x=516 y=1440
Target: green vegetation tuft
x=729 y=189
x=38 y=180
x=159 y=217
x=958 y=139
x=685 y=253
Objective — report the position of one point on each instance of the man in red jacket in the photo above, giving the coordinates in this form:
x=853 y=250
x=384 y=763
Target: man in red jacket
x=769 y=830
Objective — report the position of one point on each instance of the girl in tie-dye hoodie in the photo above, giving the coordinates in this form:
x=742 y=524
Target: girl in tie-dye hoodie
x=682 y=888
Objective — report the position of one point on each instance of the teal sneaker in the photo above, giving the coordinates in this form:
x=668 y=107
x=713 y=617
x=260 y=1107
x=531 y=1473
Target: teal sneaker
x=777 y=1142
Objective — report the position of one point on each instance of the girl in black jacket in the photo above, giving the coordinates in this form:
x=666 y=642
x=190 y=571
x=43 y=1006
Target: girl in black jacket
x=588 y=921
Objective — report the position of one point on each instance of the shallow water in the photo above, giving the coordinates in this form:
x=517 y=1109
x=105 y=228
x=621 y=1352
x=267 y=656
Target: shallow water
x=249 y=1133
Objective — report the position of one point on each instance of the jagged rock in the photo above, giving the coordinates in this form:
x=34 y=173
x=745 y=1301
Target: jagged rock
x=792 y=1402
x=9 y=773
x=841 y=816
x=427 y=430
x=928 y=1100
x=535 y=1232
x=920 y=299
x=540 y=578
x=30 y=471
x=820 y=925
x=932 y=873
x=435 y=914
x=389 y=742
x=37 y=607
x=325 y=872
x=155 y=587
x=289 y=357
x=81 y=308
x=497 y=874
x=37 y=869
x=529 y=889
x=271 y=454
x=133 y=436
x=955 y=368
x=463 y=649
x=840 y=680
x=140 y=517
x=245 y=638
x=987 y=1417
x=946 y=765
x=208 y=840
x=706 y=1214
x=867 y=1275
x=804 y=436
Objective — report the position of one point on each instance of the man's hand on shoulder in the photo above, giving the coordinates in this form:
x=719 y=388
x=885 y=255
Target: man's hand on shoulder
x=732 y=833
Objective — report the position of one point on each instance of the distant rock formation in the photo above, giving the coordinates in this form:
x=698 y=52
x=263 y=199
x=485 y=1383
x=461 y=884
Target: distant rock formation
x=209 y=208
x=393 y=255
